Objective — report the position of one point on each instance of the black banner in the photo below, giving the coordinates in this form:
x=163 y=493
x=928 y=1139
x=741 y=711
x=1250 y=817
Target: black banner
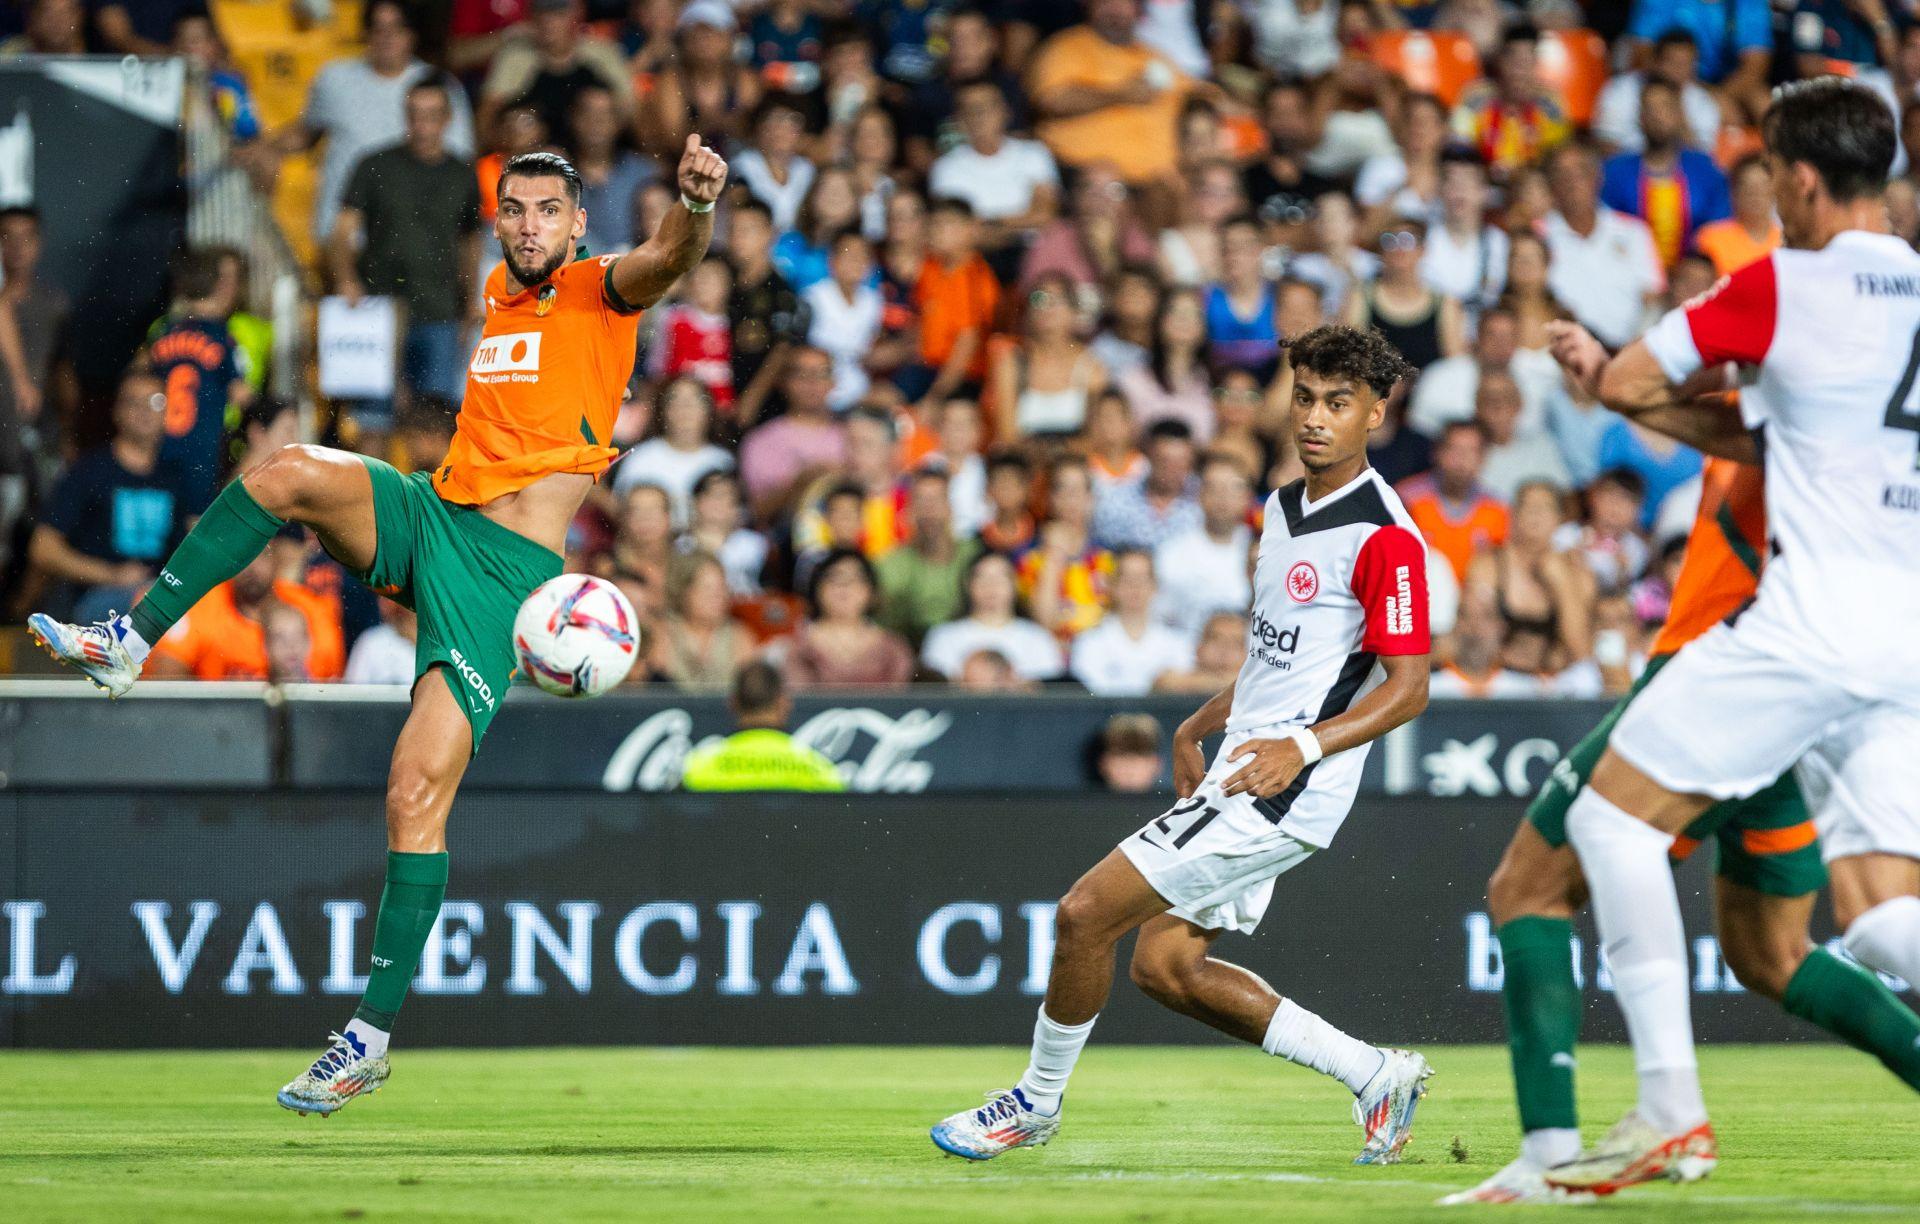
x=218 y=919
x=925 y=740
x=93 y=142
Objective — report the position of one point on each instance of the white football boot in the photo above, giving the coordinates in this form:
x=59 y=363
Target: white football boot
x=1384 y=1110
x=92 y=650
x=1635 y=1151
x=1520 y=1182
x=336 y=1077
x=1005 y=1122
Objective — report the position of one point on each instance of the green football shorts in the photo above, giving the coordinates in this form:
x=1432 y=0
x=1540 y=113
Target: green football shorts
x=1766 y=841
x=464 y=575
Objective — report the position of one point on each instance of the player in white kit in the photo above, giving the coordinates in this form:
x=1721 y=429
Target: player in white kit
x=1337 y=656
x=1824 y=667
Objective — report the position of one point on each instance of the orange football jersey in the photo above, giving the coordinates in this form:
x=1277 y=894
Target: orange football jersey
x=543 y=385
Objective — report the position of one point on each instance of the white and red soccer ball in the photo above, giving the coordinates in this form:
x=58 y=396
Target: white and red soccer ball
x=576 y=636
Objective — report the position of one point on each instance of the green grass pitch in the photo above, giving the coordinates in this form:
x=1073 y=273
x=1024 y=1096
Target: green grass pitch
x=839 y=1134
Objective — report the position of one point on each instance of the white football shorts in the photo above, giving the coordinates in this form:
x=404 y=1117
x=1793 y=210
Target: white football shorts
x=1726 y=718
x=1861 y=780
x=1214 y=857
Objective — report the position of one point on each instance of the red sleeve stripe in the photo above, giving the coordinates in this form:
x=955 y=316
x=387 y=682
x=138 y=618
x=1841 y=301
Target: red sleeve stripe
x=1390 y=583
x=1734 y=321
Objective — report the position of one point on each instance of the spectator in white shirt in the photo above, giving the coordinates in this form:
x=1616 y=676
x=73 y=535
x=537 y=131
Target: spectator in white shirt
x=1012 y=185
x=845 y=312
x=771 y=167
x=991 y=624
x=1295 y=38
x=1513 y=457
x=1204 y=570
x=1466 y=258
x=1605 y=267
x=384 y=653
x=1676 y=59
x=1128 y=651
x=679 y=452
x=1446 y=388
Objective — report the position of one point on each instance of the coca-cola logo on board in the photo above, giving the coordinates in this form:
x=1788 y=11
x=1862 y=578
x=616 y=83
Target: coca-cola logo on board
x=875 y=751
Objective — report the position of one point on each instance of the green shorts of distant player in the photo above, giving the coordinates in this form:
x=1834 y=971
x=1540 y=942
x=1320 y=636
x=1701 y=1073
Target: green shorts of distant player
x=1766 y=841
x=464 y=575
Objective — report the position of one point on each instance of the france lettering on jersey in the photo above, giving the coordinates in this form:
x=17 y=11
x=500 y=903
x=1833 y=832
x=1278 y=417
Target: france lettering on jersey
x=1337 y=585
x=1829 y=342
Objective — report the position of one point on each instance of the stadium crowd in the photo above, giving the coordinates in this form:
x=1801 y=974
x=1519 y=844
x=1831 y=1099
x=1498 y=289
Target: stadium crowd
x=981 y=381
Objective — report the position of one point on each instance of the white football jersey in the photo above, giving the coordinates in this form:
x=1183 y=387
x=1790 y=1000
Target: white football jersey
x=1337 y=585
x=1829 y=342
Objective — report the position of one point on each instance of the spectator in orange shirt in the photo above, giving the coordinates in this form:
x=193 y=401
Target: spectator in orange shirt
x=956 y=296
x=1456 y=514
x=1751 y=232
x=1106 y=96
x=228 y=635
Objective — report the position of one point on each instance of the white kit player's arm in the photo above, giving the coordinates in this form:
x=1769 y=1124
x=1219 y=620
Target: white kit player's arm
x=1697 y=411
x=1390 y=583
x=1189 y=763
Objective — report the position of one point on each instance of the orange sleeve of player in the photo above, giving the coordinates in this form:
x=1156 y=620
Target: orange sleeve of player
x=1724 y=553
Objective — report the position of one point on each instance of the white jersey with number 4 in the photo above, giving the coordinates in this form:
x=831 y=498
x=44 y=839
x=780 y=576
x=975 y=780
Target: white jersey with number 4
x=1338 y=584
x=1829 y=342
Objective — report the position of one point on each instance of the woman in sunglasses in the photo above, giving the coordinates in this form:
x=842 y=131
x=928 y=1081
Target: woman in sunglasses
x=1043 y=383
x=1424 y=325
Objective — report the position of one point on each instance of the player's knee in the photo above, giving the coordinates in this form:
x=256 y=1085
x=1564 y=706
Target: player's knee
x=1764 y=966
x=416 y=808
x=281 y=481
x=1519 y=889
x=1078 y=921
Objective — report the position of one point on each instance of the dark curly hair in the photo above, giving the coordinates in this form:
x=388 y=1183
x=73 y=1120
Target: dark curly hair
x=1346 y=352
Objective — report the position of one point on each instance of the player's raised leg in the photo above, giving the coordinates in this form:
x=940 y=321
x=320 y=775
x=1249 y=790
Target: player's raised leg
x=428 y=761
x=1173 y=966
x=326 y=489
x=1102 y=906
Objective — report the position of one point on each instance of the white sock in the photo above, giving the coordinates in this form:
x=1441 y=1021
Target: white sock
x=1887 y=938
x=136 y=646
x=1056 y=1047
x=1550 y=1146
x=1299 y=1036
x=375 y=1040
x=1638 y=913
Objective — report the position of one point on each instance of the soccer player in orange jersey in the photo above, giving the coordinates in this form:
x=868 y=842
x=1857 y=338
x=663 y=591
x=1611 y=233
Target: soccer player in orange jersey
x=462 y=545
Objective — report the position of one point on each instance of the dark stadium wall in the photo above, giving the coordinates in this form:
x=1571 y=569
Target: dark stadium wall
x=105 y=176
x=221 y=918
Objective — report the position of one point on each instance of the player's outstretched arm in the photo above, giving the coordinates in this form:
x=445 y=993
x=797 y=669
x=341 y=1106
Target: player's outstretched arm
x=643 y=275
x=1398 y=699
x=1697 y=412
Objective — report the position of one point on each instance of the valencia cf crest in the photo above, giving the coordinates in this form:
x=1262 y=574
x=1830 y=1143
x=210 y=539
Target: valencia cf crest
x=1303 y=582
x=547 y=296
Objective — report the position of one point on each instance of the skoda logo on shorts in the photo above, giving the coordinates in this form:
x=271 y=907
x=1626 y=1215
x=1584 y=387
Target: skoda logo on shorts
x=1303 y=582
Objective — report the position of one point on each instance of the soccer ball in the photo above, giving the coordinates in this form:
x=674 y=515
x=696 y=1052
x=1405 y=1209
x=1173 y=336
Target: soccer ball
x=576 y=636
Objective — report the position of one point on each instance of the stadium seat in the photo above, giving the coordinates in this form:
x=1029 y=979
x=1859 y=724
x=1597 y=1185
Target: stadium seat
x=1438 y=62
x=1573 y=63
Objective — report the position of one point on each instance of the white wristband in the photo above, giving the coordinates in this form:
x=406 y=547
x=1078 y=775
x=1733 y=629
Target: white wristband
x=695 y=206
x=1309 y=746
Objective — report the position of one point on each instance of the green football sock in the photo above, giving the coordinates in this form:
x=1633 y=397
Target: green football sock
x=1855 y=1006
x=1543 y=1019
x=232 y=532
x=416 y=884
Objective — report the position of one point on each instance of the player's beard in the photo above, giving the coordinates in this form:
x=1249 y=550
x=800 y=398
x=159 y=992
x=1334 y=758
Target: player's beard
x=538 y=273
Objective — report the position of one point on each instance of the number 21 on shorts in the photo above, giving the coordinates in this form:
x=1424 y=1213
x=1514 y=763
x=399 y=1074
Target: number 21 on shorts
x=1178 y=812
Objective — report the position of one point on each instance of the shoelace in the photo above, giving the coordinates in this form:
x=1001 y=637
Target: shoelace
x=339 y=1057
x=1000 y=1107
